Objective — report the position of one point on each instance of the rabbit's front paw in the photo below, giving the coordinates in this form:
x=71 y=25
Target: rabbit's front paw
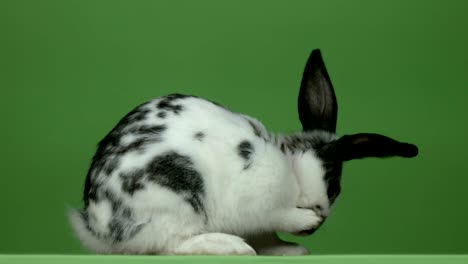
x=304 y=201
x=299 y=220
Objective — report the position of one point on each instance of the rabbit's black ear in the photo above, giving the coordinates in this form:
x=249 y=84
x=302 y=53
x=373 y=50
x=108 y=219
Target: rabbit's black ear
x=363 y=145
x=317 y=101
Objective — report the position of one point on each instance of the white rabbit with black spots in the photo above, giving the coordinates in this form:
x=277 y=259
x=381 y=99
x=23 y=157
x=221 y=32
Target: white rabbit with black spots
x=181 y=175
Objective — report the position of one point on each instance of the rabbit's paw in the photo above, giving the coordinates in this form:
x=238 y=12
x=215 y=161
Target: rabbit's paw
x=304 y=201
x=298 y=220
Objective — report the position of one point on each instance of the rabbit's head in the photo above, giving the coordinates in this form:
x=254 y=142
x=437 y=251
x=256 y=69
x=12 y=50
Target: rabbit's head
x=318 y=108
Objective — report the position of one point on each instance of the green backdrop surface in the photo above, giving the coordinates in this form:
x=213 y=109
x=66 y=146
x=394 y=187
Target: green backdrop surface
x=70 y=69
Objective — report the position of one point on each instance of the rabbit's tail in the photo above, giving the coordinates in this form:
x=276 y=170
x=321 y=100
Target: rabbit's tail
x=90 y=239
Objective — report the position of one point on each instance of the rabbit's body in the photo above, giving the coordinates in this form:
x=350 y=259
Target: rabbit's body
x=183 y=175
x=199 y=169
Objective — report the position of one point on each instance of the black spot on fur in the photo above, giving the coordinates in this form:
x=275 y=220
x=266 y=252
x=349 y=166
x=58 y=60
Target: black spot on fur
x=111 y=164
x=182 y=96
x=170 y=107
x=147 y=129
x=126 y=212
x=176 y=96
x=177 y=173
x=91 y=191
x=245 y=150
x=199 y=136
x=116 y=229
x=257 y=131
x=168 y=103
x=283 y=148
x=150 y=134
x=123 y=228
x=111 y=197
x=132 y=181
x=196 y=203
x=138 y=145
x=137 y=114
x=85 y=217
x=162 y=114
x=122 y=225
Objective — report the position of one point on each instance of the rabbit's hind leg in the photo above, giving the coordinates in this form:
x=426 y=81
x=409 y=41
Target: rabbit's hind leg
x=214 y=244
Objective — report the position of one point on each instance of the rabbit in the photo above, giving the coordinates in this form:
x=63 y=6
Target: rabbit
x=182 y=175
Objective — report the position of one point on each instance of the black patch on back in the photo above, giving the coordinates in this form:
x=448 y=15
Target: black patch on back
x=245 y=150
x=132 y=181
x=177 y=173
x=199 y=136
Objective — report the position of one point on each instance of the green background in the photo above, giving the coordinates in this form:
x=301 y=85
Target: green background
x=70 y=69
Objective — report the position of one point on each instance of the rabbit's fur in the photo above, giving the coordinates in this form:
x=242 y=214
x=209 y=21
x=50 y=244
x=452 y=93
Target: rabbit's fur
x=183 y=175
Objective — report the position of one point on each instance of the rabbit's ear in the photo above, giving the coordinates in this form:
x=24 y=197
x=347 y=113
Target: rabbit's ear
x=317 y=101
x=366 y=145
